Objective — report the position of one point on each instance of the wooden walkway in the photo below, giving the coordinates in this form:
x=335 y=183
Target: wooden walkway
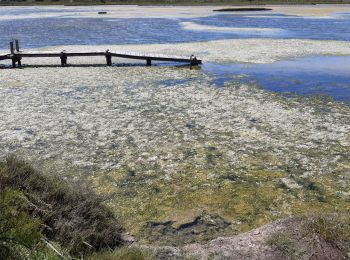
x=16 y=56
x=3 y=56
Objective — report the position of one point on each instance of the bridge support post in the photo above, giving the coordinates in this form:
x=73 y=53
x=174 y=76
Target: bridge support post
x=18 y=58
x=17 y=45
x=13 y=58
x=63 y=58
x=19 y=61
x=108 y=58
x=12 y=49
x=13 y=62
x=149 y=62
x=193 y=61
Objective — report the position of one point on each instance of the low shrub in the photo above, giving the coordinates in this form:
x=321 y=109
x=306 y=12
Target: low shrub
x=19 y=232
x=70 y=214
x=282 y=242
x=331 y=228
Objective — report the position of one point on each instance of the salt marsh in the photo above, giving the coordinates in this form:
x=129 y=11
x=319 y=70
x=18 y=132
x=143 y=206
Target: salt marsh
x=168 y=143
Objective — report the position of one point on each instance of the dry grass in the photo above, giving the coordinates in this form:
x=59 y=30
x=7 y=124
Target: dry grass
x=130 y=253
x=333 y=229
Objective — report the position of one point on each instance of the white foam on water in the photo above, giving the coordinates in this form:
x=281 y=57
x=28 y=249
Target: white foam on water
x=246 y=30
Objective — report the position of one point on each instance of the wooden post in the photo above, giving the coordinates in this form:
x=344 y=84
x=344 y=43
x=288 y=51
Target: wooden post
x=13 y=62
x=12 y=50
x=108 y=58
x=13 y=58
x=19 y=60
x=17 y=45
x=63 y=58
x=149 y=62
x=193 y=61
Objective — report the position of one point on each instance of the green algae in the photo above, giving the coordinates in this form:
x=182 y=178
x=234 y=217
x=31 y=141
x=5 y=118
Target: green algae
x=172 y=154
x=247 y=200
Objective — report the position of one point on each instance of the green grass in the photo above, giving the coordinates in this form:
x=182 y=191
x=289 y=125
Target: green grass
x=19 y=232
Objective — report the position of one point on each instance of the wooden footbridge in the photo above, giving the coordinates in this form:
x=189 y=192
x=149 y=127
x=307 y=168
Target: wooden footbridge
x=16 y=56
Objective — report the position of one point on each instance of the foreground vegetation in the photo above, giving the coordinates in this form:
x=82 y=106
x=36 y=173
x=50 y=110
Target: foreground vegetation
x=45 y=216
x=323 y=236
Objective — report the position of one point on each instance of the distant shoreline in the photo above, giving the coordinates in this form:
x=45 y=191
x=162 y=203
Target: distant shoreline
x=173 y=3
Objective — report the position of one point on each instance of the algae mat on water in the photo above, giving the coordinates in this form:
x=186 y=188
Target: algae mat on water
x=164 y=151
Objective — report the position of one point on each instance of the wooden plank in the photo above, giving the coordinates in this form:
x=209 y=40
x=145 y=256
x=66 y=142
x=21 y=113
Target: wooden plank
x=58 y=54
x=153 y=57
x=120 y=55
x=4 y=56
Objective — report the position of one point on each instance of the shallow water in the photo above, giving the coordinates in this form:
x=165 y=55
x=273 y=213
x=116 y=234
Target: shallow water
x=291 y=27
x=301 y=76
x=35 y=33
x=316 y=75
x=34 y=29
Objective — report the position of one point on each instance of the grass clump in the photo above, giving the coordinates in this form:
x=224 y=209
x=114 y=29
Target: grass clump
x=19 y=232
x=72 y=215
x=127 y=253
x=332 y=228
x=282 y=242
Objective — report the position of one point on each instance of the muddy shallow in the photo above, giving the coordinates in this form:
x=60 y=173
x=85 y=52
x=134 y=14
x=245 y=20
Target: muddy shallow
x=164 y=143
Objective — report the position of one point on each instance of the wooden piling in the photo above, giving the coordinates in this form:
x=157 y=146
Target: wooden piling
x=18 y=58
x=13 y=62
x=13 y=58
x=17 y=45
x=12 y=50
x=108 y=58
x=149 y=62
x=63 y=57
x=19 y=62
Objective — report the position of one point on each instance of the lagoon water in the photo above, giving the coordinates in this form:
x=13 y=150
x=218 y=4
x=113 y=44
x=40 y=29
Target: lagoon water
x=166 y=144
x=308 y=76
x=71 y=25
